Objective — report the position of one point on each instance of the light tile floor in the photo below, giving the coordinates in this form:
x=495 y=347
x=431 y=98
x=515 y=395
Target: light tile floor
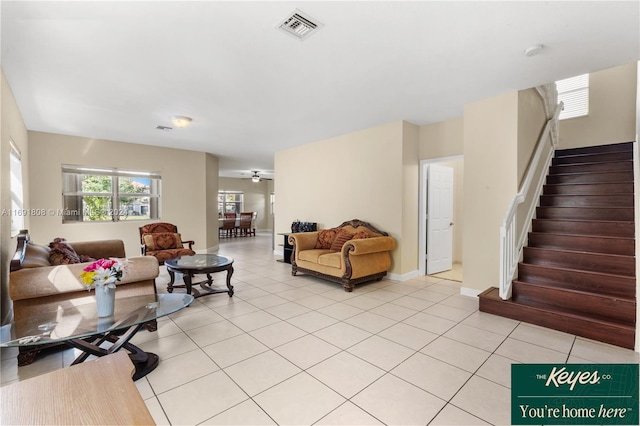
x=301 y=351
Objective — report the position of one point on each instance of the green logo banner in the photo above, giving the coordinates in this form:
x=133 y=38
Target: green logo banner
x=574 y=394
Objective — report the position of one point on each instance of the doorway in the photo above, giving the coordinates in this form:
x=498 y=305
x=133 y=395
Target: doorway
x=440 y=227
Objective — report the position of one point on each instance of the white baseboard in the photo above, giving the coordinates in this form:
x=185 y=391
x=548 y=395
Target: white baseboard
x=404 y=277
x=471 y=292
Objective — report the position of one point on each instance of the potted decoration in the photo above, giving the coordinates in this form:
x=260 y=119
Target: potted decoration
x=102 y=275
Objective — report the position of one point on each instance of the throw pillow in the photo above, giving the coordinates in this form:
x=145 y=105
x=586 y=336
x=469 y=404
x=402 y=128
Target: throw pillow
x=62 y=253
x=341 y=237
x=325 y=238
x=360 y=235
x=162 y=241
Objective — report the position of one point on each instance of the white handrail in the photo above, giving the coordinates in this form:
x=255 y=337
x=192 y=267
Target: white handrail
x=511 y=239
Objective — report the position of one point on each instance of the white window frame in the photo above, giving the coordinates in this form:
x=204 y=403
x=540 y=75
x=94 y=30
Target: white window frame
x=222 y=209
x=574 y=93
x=71 y=182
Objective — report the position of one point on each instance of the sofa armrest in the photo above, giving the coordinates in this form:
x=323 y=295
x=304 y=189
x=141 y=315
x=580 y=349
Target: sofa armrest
x=303 y=240
x=100 y=249
x=368 y=245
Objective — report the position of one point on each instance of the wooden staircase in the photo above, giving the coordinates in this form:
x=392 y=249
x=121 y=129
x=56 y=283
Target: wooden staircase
x=578 y=270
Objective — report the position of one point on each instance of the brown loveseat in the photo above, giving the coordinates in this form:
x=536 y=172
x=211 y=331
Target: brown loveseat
x=353 y=253
x=37 y=286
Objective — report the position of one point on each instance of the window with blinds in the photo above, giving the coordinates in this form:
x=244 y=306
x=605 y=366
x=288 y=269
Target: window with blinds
x=574 y=93
x=100 y=194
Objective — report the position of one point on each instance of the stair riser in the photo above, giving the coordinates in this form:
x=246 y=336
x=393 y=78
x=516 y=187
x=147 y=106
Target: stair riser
x=603 y=263
x=592 y=158
x=610 y=285
x=586 y=200
x=591 y=213
x=591 y=177
x=621 y=246
x=589 y=188
x=591 y=329
x=598 y=149
x=613 y=309
x=593 y=167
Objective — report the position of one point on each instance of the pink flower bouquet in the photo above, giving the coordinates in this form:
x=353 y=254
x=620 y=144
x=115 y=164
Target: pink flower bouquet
x=103 y=273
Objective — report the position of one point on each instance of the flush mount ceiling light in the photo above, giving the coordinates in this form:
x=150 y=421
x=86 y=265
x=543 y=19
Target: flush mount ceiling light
x=533 y=50
x=180 y=121
x=299 y=25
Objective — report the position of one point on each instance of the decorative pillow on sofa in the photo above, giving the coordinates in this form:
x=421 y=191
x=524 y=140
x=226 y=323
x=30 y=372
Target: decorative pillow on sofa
x=341 y=237
x=62 y=253
x=325 y=238
x=36 y=256
x=162 y=241
x=360 y=235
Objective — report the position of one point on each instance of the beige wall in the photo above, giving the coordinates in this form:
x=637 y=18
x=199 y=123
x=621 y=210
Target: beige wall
x=531 y=121
x=612 y=110
x=359 y=175
x=211 y=201
x=184 y=187
x=490 y=182
x=12 y=128
x=443 y=139
x=410 y=197
x=256 y=198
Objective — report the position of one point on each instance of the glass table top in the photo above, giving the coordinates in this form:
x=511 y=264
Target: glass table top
x=83 y=321
x=197 y=261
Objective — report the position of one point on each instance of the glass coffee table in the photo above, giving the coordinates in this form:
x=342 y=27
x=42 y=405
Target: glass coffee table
x=195 y=264
x=81 y=328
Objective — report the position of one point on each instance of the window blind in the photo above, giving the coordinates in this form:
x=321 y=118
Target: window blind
x=574 y=93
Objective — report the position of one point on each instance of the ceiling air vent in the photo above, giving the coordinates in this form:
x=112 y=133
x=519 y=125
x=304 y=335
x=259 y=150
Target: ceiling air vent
x=299 y=25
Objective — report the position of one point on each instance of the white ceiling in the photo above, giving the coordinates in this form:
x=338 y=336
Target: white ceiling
x=116 y=70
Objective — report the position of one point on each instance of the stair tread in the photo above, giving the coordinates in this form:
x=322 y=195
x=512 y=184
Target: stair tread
x=582 y=271
x=494 y=295
x=600 y=237
x=576 y=291
x=580 y=252
x=586 y=220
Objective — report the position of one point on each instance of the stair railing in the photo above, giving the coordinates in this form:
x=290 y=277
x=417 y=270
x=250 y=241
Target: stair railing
x=512 y=239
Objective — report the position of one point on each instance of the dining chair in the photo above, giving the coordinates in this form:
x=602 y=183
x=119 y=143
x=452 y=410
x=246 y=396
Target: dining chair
x=246 y=220
x=229 y=225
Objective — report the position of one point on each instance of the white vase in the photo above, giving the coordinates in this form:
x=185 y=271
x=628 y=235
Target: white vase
x=105 y=300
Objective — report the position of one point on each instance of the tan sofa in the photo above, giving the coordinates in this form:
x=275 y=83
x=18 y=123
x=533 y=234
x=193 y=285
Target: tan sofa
x=37 y=286
x=364 y=256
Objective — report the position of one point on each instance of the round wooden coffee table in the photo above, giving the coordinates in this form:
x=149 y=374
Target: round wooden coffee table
x=196 y=264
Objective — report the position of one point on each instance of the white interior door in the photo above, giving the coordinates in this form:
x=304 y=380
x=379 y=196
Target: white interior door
x=439 y=218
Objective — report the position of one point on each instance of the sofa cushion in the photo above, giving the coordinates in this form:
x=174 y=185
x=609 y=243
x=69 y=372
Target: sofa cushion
x=325 y=238
x=341 y=237
x=163 y=255
x=312 y=255
x=330 y=259
x=162 y=241
x=62 y=253
x=35 y=256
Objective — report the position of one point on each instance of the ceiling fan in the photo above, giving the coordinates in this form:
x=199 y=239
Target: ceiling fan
x=256 y=177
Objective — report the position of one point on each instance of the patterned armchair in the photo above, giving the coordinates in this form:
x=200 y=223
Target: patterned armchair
x=162 y=240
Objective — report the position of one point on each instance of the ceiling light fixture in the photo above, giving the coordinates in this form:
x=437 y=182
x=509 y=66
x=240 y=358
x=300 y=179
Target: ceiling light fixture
x=255 y=178
x=533 y=50
x=180 y=121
